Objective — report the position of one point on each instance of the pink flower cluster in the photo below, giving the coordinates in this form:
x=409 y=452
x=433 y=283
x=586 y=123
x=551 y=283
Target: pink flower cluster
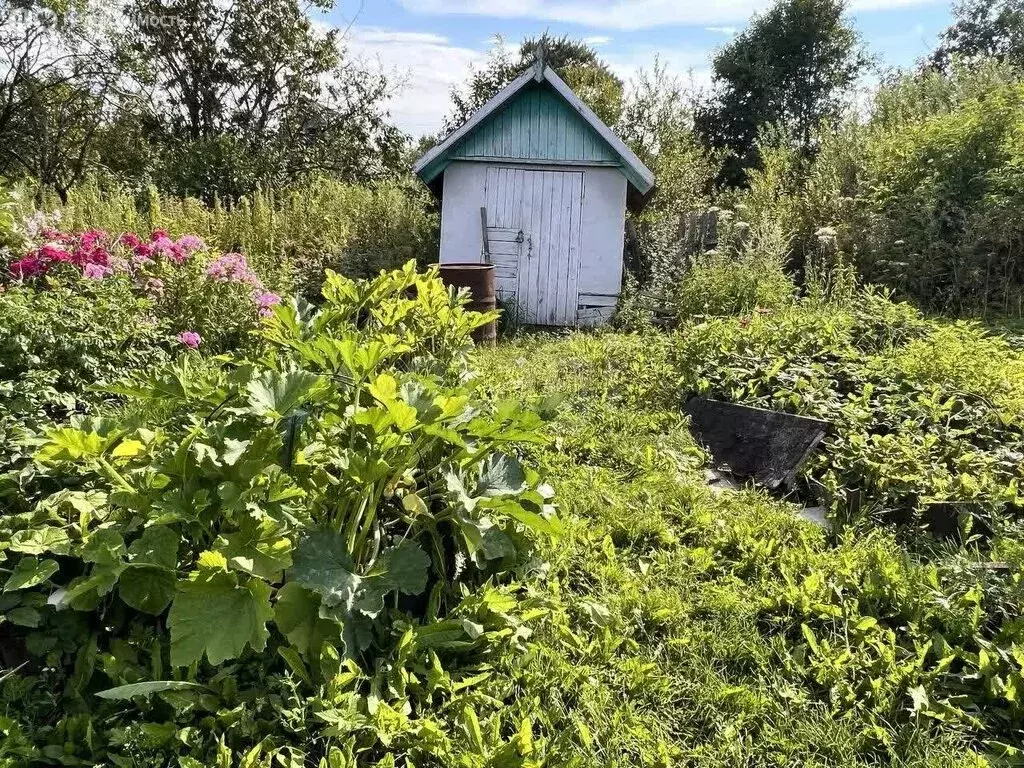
x=160 y=244
x=234 y=268
x=190 y=339
x=93 y=252
x=88 y=250
x=97 y=256
x=265 y=301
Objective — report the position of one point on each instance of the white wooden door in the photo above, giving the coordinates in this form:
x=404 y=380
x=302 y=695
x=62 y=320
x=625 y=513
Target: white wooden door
x=533 y=233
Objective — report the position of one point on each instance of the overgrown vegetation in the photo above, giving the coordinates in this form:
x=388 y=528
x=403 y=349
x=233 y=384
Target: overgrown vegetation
x=662 y=605
x=262 y=525
x=921 y=413
x=289 y=236
x=718 y=629
x=922 y=196
x=262 y=505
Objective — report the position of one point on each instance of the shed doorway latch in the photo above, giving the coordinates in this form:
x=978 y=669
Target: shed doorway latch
x=520 y=237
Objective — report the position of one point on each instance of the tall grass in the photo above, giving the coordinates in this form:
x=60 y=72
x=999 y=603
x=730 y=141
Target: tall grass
x=289 y=236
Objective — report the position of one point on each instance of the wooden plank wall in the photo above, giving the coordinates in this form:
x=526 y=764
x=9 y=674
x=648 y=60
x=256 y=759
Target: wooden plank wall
x=698 y=232
x=543 y=270
x=537 y=125
x=595 y=309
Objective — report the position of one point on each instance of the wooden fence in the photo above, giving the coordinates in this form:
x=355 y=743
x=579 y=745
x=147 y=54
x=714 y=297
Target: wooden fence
x=698 y=232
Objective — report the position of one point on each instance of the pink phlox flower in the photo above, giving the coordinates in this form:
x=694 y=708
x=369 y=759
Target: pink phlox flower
x=52 y=252
x=82 y=251
x=190 y=339
x=142 y=251
x=158 y=234
x=27 y=267
x=167 y=248
x=143 y=254
x=95 y=271
x=189 y=244
x=233 y=268
x=96 y=255
x=92 y=239
x=264 y=301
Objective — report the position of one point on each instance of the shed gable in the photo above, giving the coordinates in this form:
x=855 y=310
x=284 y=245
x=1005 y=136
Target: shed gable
x=537 y=118
x=537 y=124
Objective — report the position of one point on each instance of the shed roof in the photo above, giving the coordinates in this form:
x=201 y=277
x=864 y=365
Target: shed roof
x=501 y=131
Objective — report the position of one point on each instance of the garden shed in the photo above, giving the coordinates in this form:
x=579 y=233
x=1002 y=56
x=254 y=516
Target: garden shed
x=536 y=184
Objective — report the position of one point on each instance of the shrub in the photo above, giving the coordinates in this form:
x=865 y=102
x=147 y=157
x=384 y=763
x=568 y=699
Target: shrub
x=257 y=528
x=385 y=226
x=215 y=297
x=718 y=285
x=921 y=412
x=657 y=124
x=944 y=189
x=922 y=197
x=56 y=347
x=746 y=272
x=82 y=310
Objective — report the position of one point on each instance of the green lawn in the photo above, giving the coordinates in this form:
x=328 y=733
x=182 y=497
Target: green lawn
x=690 y=628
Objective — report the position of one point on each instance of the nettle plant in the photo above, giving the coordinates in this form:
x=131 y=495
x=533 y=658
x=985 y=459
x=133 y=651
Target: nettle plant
x=302 y=502
x=921 y=413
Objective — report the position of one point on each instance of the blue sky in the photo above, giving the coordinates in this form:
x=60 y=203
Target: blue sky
x=426 y=46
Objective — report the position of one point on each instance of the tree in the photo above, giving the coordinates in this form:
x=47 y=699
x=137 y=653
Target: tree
x=575 y=61
x=983 y=29
x=242 y=94
x=59 y=82
x=204 y=97
x=791 y=66
x=657 y=124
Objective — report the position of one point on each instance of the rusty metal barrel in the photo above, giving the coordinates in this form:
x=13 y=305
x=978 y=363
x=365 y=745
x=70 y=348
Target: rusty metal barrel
x=479 y=280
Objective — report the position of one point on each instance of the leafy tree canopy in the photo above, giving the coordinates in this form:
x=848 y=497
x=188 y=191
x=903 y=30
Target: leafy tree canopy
x=203 y=97
x=575 y=61
x=983 y=29
x=792 y=66
x=239 y=104
x=58 y=83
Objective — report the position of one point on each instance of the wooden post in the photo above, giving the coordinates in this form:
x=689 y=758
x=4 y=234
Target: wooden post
x=709 y=231
x=486 y=249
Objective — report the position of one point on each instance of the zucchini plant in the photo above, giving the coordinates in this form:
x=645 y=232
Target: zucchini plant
x=299 y=503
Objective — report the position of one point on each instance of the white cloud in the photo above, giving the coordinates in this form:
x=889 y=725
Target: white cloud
x=691 y=65
x=624 y=14
x=426 y=66
x=386 y=36
x=429 y=64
